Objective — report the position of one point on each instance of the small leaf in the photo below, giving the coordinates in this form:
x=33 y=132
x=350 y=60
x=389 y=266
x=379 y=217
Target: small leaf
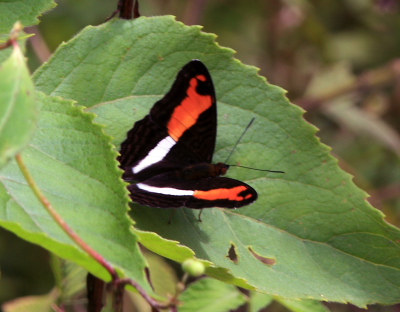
x=18 y=109
x=70 y=280
x=42 y=303
x=258 y=301
x=210 y=295
x=162 y=275
x=25 y=11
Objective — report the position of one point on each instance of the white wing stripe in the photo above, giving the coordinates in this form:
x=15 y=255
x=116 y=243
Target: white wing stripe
x=164 y=190
x=156 y=154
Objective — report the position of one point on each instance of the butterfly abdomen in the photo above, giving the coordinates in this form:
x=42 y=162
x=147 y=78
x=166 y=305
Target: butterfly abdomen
x=204 y=170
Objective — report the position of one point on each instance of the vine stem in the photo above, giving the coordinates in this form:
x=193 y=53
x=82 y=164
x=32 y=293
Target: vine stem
x=118 y=282
x=122 y=282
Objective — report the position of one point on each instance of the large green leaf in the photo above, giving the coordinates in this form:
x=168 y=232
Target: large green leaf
x=311 y=234
x=25 y=11
x=18 y=111
x=71 y=160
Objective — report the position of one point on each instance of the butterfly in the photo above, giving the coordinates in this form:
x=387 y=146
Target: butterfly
x=167 y=155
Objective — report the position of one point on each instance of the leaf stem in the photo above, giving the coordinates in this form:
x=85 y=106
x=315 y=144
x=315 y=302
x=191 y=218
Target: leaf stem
x=60 y=221
x=13 y=40
x=127 y=281
x=116 y=281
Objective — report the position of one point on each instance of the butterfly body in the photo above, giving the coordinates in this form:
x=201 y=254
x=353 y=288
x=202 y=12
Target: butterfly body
x=168 y=153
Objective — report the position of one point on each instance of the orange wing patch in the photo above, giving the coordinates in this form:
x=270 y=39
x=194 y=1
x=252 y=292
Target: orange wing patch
x=223 y=193
x=186 y=114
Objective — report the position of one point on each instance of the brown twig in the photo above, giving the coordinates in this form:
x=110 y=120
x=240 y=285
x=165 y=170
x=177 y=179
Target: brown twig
x=95 y=288
x=38 y=44
x=194 y=12
x=6 y=44
x=122 y=282
x=136 y=12
x=127 y=9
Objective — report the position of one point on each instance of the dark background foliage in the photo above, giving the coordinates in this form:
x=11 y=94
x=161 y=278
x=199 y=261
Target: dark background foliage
x=338 y=59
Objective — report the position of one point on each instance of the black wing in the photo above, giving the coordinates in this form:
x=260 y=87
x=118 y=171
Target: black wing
x=168 y=191
x=186 y=115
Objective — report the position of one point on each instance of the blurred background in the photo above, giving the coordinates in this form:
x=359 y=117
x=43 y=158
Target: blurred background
x=338 y=59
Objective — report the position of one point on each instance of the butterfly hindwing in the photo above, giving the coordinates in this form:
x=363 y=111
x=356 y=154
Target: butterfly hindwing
x=168 y=191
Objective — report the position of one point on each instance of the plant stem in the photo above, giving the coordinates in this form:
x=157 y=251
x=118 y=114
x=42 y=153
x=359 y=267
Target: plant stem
x=60 y=221
x=119 y=283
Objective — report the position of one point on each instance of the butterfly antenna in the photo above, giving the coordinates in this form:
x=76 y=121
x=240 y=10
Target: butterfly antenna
x=237 y=142
x=274 y=171
x=233 y=149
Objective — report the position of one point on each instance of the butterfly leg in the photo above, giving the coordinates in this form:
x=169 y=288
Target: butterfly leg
x=172 y=214
x=199 y=216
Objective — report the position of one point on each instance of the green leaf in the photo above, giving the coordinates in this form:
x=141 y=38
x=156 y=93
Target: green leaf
x=18 y=111
x=71 y=160
x=162 y=275
x=70 y=279
x=259 y=301
x=44 y=303
x=303 y=305
x=25 y=11
x=210 y=295
x=311 y=233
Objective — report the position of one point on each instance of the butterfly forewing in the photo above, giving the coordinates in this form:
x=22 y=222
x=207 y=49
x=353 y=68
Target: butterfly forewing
x=189 y=111
x=186 y=115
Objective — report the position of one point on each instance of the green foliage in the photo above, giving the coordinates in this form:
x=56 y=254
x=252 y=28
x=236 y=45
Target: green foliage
x=310 y=220
x=257 y=301
x=64 y=157
x=42 y=303
x=18 y=111
x=310 y=235
x=209 y=295
x=303 y=305
x=70 y=279
x=25 y=11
